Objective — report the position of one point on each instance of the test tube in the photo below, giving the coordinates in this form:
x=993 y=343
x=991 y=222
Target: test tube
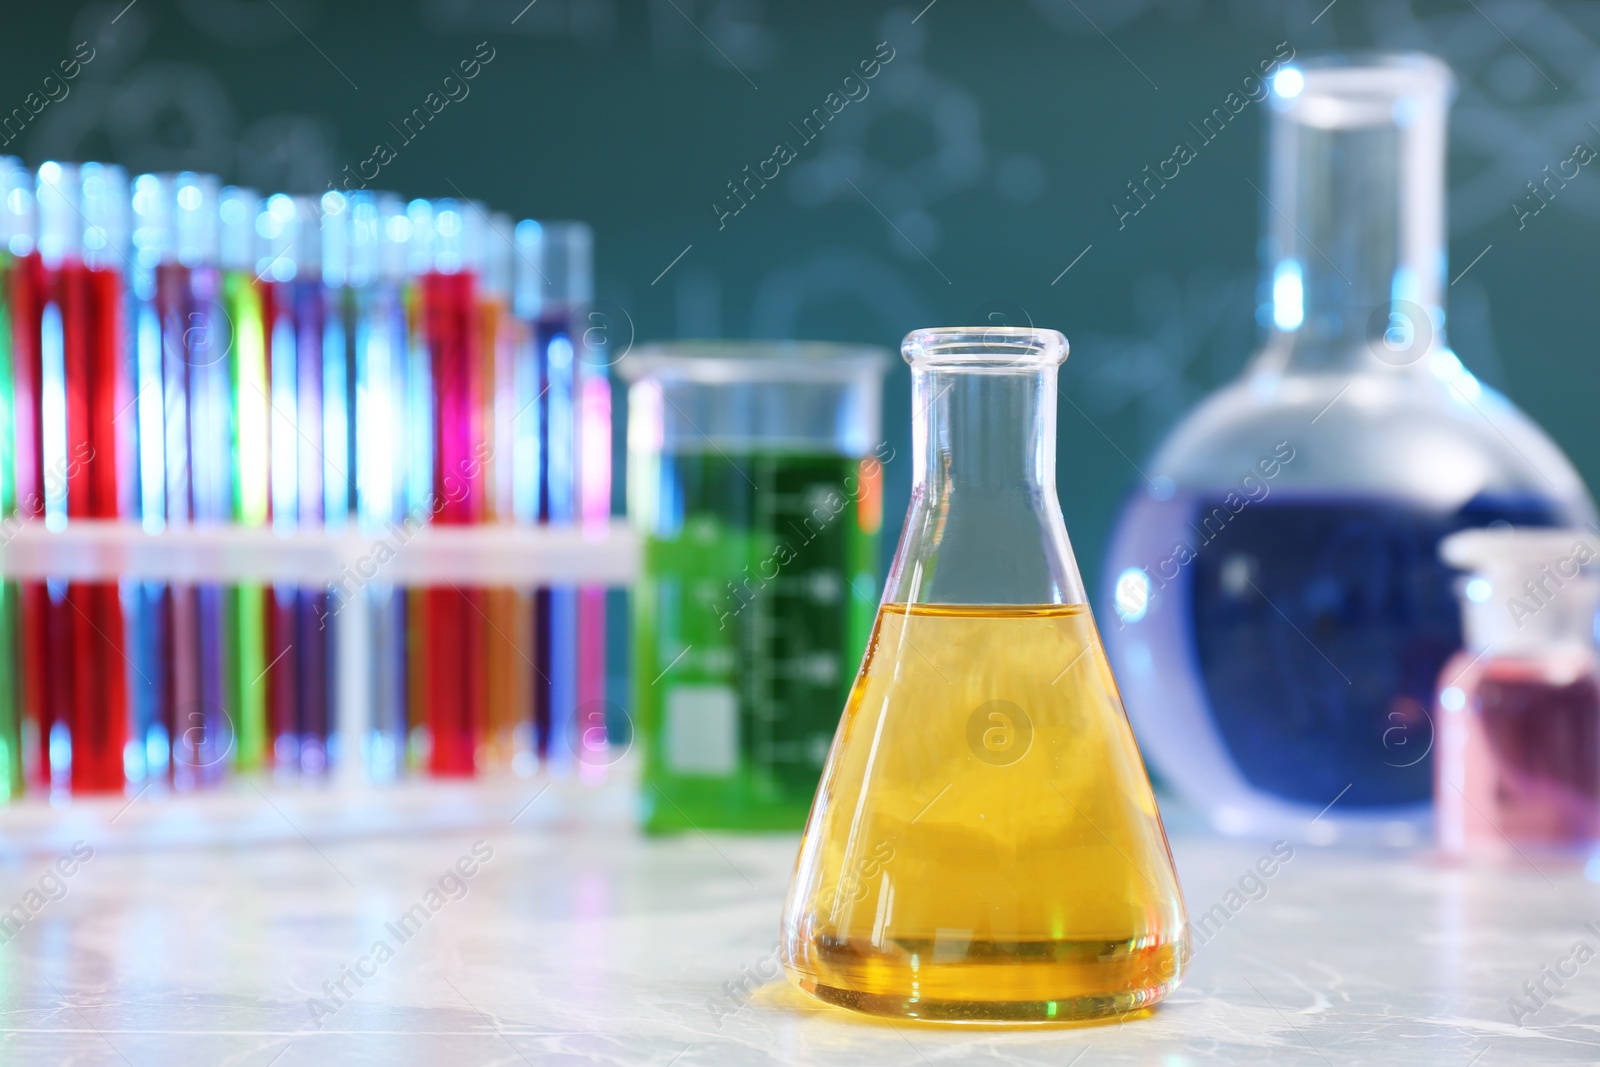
x=555 y=261
x=185 y=457
x=340 y=332
x=150 y=601
x=25 y=294
x=300 y=645
x=449 y=624
x=508 y=735
x=364 y=246
x=247 y=613
x=591 y=343
x=18 y=236
x=520 y=436
x=84 y=455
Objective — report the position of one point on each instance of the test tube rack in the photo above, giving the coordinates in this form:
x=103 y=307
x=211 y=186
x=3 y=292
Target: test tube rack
x=488 y=555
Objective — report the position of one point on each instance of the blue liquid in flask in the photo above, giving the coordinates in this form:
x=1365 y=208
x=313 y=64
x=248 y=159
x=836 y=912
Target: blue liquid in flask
x=1317 y=626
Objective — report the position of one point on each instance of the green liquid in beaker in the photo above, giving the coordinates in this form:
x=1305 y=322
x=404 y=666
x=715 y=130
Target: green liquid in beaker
x=760 y=587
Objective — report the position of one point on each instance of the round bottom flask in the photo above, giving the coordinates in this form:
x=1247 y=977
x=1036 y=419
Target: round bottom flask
x=1280 y=609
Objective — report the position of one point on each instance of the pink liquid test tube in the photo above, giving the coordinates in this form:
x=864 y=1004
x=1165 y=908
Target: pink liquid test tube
x=449 y=628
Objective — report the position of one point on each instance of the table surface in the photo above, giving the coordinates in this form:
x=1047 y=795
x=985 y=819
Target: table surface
x=201 y=929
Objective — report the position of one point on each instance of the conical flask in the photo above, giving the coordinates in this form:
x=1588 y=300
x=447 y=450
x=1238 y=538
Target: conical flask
x=984 y=846
x=1281 y=612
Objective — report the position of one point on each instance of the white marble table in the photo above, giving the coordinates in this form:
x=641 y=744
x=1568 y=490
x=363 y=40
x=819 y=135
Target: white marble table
x=581 y=942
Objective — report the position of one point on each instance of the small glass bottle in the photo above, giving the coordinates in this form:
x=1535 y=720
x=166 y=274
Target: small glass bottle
x=1279 y=603
x=984 y=846
x=1518 y=712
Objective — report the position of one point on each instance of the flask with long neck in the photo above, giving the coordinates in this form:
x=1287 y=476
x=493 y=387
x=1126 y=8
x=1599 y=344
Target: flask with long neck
x=1280 y=613
x=984 y=846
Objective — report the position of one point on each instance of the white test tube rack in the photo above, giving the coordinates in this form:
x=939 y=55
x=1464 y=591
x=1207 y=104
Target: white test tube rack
x=486 y=555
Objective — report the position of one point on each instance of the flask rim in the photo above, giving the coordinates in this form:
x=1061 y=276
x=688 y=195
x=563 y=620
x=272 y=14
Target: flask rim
x=985 y=347
x=1361 y=88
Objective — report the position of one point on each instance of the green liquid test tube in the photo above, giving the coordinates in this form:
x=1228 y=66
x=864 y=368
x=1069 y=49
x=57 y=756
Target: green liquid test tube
x=17 y=226
x=246 y=604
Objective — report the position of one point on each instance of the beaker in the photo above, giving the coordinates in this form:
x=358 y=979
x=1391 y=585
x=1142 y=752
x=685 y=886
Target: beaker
x=985 y=846
x=754 y=473
x=1281 y=613
x=1518 y=711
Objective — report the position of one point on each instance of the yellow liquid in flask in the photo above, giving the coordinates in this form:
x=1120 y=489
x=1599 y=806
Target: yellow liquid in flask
x=985 y=846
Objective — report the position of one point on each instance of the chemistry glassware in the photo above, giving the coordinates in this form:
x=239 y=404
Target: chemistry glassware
x=510 y=673
x=985 y=845
x=18 y=236
x=448 y=630
x=562 y=477
x=1518 y=712
x=1280 y=613
x=364 y=269
x=307 y=455
x=76 y=662
x=244 y=318
x=754 y=473
x=187 y=651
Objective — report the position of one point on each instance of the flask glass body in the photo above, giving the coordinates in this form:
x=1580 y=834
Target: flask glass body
x=984 y=846
x=1280 y=613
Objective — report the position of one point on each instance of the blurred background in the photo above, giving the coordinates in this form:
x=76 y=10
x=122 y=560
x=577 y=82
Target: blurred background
x=745 y=177
x=975 y=182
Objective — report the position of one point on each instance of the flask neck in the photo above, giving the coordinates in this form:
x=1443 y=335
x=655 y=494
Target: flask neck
x=984 y=527
x=1355 y=255
x=984 y=433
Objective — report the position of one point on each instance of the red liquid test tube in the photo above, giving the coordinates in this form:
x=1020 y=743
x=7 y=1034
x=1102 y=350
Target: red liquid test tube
x=85 y=471
x=452 y=625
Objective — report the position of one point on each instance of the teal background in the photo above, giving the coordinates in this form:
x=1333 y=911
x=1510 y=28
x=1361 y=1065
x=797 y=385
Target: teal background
x=984 y=160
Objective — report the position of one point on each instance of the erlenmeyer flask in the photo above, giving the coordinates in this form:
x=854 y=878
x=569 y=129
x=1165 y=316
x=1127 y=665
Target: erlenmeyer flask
x=1281 y=613
x=984 y=846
